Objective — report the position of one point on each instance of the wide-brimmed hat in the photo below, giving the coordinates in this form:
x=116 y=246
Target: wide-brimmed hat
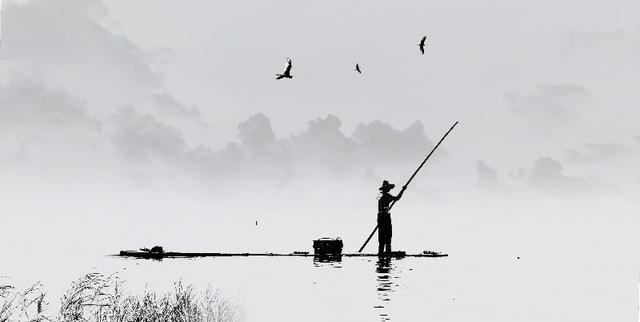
x=386 y=186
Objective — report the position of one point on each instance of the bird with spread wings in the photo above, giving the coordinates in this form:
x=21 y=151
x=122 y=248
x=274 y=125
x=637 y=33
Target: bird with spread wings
x=422 y=44
x=287 y=71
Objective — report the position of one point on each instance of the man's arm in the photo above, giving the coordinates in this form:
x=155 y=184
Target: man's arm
x=401 y=192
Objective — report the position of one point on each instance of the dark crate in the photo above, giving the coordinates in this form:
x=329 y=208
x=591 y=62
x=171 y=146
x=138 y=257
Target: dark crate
x=327 y=246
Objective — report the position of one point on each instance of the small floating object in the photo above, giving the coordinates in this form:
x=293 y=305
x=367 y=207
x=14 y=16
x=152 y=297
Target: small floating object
x=297 y=252
x=430 y=252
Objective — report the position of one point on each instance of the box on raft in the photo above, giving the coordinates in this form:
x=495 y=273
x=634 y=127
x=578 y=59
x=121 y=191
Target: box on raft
x=327 y=247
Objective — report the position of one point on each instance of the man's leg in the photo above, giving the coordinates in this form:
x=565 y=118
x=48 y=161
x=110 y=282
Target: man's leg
x=387 y=247
x=389 y=232
x=382 y=239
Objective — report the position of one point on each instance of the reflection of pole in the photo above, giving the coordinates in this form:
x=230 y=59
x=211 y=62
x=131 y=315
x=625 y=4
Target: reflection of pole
x=409 y=181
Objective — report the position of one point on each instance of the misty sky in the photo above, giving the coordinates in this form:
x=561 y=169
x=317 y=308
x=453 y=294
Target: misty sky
x=119 y=100
x=125 y=124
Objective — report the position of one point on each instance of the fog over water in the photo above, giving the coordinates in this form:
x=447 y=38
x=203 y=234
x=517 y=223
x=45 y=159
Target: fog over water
x=133 y=124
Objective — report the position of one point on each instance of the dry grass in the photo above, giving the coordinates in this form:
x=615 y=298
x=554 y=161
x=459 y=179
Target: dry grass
x=27 y=305
x=98 y=297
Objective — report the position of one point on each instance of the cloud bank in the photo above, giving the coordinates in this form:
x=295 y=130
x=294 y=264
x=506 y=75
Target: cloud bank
x=321 y=149
x=546 y=177
x=549 y=106
x=596 y=152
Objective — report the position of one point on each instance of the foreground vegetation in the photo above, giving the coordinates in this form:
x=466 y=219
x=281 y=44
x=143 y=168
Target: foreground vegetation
x=99 y=297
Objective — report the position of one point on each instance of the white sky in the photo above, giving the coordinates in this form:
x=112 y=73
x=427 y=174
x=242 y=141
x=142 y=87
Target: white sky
x=526 y=79
x=122 y=110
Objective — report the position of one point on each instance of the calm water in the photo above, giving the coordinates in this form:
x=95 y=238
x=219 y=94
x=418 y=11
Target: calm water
x=458 y=288
x=294 y=289
x=574 y=265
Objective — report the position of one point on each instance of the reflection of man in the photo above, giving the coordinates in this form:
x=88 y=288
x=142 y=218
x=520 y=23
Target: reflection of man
x=385 y=278
x=384 y=217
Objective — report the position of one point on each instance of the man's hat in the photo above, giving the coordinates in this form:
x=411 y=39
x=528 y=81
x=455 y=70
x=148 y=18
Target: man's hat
x=386 y=186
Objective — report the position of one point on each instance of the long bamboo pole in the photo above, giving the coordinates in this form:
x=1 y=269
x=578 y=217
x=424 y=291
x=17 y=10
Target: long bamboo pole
x=408 y=182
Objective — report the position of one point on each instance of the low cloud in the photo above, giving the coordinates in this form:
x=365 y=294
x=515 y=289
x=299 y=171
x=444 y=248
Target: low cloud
x=43 y=124
x=72 y=35
x=141 y=137
x=597 y=152
x=549 y=106
x=13 y=152
x=488 y=180
x=320 y=150
x=46 y=131
x=323 y=140
x=324 y=147
x=323 y=143
x=547 y=177
x=381 y=142
x=208 y=164
x=258 y=138
x=166 y=104
x=623 y=40
x=28 y=104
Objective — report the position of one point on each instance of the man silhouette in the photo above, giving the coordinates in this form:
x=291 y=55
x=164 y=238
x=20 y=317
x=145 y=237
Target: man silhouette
x=384 y=217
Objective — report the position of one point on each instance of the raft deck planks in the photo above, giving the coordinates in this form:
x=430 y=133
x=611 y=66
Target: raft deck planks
x=140 y=254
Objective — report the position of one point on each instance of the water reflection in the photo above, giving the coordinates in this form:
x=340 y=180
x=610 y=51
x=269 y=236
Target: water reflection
x=387 y=275
x=327 y=261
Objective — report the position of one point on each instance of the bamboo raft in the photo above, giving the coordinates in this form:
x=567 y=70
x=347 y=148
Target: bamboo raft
x=161 y=255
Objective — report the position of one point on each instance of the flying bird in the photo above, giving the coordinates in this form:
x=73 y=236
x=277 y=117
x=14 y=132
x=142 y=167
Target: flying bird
x=358 y=69
x=287 y=72
x=422 y=44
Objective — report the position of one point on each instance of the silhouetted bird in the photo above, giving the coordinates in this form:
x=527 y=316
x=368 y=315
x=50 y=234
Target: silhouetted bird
x=358 y=69
x=422 y=44
x=287 y=72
